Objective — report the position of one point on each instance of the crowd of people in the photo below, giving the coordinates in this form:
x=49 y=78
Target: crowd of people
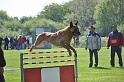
x=17 y=42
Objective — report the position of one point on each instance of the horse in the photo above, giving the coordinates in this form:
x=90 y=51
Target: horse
x=61 y=38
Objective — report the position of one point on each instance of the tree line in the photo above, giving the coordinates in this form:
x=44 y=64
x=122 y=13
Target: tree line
x=100 y=13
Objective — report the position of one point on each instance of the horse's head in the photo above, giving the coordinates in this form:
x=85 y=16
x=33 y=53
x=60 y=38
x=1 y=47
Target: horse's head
x=74 y=29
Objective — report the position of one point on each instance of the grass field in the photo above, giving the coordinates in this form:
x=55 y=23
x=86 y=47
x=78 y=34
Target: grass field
x=104 y=73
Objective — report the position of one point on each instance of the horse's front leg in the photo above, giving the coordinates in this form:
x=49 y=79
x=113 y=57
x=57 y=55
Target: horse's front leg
x=73 y=50
x=67 y=47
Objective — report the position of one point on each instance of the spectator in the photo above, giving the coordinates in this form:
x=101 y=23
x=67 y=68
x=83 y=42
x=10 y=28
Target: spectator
x=6 y=42
x=24 y=38
x=28 y=46
x=20 y=41
x=1 y=39
x=23 y=43
x=93 y=43
x=115 y=40
x=15 y=42
x=76 y=40
x=30 y=41
x=11 y=42
x=2 y=64
x=123 y=39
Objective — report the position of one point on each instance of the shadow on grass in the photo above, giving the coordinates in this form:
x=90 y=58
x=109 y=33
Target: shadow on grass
x=102 y=68
x=120 y=67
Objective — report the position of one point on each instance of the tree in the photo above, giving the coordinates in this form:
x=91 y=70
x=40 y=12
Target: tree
x=31 y=25
x=12 y=28
x=24 y=19
x=83 y=11
x=3 y=17
x=109 y=12
x=54 y=12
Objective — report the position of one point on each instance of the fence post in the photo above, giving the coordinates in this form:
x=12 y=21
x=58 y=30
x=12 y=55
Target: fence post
x=21 y=67
x=76 y=69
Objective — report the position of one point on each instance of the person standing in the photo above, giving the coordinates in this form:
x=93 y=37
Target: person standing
x=30 y=41
x=11 y=42
x=115 y=40
x=93 y=43
x=1 y=39
x=2 y=64
x=6 y=42
x=15 y=42
x=23 y=44
x=76 y=40
x=20 y=41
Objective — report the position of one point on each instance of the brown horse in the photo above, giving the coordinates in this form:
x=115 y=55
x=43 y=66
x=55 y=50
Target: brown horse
x=60 y=38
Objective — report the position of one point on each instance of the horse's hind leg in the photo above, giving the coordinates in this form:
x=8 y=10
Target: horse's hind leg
x=36 y=44
x=39 y=41
x=31 y=48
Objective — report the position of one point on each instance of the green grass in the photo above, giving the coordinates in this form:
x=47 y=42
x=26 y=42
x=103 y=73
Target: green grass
x=104 y=73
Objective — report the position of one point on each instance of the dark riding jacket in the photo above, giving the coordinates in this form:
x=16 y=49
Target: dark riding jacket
x=2 y=59
x=115 y=39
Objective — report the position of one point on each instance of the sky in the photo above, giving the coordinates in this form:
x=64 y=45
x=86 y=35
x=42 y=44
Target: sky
x=20 y=8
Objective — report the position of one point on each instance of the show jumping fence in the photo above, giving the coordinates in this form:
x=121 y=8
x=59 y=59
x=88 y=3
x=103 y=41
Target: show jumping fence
x=28 y=73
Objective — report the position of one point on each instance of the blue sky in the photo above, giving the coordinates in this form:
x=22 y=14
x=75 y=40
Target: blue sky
x=19 y=8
